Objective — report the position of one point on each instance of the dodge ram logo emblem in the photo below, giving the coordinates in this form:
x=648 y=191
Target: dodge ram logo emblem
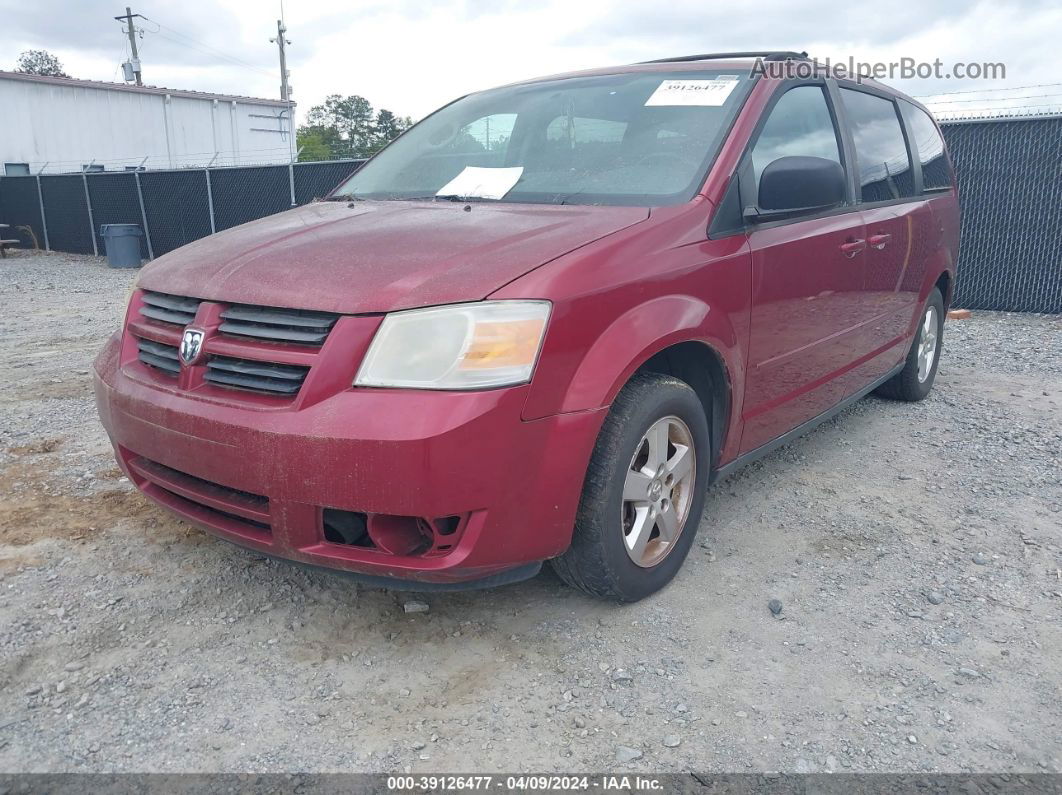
x=191 y=345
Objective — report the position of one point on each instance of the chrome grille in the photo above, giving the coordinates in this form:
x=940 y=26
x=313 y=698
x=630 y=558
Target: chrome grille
x=277 y=379
x=175 y=309
x=300 y=326
x=159 y=356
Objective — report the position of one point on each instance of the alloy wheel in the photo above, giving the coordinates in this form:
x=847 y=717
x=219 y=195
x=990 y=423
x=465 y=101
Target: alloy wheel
x=658 y=491
x=927 y=344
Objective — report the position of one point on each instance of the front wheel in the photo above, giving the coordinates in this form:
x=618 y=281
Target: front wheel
x=644 y=492
x=919 y=371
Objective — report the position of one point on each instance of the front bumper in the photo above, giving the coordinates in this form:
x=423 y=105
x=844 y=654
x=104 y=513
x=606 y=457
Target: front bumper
x=262 y=477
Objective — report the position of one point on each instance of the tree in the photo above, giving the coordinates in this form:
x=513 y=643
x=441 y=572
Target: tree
x=351 y=118
x=40 y=62
x=388 y=127
x=347 y=127
x=314 y=143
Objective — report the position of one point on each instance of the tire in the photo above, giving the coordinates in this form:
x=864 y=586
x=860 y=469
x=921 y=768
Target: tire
x=598 y=561
x=911 y=383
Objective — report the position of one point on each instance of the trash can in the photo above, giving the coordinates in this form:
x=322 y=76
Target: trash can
x=122 y=242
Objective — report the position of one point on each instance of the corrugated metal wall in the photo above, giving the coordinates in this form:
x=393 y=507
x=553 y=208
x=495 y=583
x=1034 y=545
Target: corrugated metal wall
x=60 y=126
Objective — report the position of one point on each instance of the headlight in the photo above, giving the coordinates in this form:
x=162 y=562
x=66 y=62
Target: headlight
x=462 y=346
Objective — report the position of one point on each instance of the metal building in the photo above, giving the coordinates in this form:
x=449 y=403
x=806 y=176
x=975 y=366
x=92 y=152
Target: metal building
x=58 y=124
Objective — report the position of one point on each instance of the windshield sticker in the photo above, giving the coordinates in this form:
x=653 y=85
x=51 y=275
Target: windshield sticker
x=710 y=93
x=476 y=182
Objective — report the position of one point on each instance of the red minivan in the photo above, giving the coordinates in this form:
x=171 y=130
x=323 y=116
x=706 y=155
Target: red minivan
x=540 y=323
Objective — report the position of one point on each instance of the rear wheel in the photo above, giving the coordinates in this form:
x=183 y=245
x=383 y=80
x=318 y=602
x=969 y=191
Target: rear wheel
x=919 y=371
x=644 y=492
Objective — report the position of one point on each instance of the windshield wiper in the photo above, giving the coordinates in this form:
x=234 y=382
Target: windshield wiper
x=445 y=197
x=344 y=199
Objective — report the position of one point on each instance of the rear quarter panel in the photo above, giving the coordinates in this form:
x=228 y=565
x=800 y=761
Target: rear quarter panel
x=944 y=256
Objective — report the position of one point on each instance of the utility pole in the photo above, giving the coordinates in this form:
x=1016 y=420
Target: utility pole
x=134 y=62
x=285 y=90
x=285 y=95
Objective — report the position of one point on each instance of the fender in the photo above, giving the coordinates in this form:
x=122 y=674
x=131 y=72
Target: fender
x=635 y=336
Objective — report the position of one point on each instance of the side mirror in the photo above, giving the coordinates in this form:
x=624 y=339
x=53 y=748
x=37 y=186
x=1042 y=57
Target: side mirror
x=794 y=185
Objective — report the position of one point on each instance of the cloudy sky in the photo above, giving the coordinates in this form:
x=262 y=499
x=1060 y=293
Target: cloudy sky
x=411 y=57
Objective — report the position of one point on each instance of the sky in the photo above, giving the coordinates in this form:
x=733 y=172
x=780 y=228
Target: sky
x=411 y=57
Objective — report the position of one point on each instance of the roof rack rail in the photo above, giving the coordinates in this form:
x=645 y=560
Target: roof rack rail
x=767 y=55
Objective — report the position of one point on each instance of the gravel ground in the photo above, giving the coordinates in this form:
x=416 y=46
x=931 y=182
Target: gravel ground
x=915 y=550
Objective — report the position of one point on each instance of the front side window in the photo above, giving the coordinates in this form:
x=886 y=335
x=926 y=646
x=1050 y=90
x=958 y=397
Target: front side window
x=936 y=173
x=881 y=152
x=643 y=138
x=799 y=124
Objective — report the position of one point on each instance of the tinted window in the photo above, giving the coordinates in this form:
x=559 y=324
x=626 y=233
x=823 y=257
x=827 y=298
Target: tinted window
x=799 y=124
x=927 y=142
x=881 y=152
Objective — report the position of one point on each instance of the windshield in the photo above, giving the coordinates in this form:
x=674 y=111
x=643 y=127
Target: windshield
x=636 y=139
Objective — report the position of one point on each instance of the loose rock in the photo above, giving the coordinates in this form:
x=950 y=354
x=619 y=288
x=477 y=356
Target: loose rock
x=624 y=753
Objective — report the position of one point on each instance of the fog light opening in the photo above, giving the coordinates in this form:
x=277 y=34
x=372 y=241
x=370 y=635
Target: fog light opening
x=398 y=535
x=346 y=527
x=447 y=525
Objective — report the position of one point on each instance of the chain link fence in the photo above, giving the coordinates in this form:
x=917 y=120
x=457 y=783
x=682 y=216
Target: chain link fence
x=64 y=212
x=1009 y=171
x=1010 y=188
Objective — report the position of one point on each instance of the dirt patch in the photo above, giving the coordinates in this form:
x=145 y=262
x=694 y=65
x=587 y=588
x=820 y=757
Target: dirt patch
x=33 y=517
x=37 y=448
x=30 y=510
x=77 y=386
x=13 y=563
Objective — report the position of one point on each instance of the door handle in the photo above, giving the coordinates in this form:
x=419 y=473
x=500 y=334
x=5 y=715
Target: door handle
x=879 y=241
x=853 y=247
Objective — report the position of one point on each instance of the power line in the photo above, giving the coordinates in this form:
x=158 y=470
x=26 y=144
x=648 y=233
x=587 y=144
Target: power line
x=990 y=99
x=1030 y=109
x=983 y=90
x=1002 y=107
x=202 y=47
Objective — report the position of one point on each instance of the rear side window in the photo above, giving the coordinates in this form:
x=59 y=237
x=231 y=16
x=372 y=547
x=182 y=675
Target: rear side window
x=936 y=174
x=799 y=124
x=881 y=153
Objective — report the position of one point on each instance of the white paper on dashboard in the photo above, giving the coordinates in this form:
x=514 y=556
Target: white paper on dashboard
x=482 y=183
x=710 y=93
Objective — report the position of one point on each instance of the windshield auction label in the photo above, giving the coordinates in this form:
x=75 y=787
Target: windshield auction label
x=711 y=93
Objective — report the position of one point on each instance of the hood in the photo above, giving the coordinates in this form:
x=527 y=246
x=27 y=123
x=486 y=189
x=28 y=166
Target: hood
x=380 y=256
